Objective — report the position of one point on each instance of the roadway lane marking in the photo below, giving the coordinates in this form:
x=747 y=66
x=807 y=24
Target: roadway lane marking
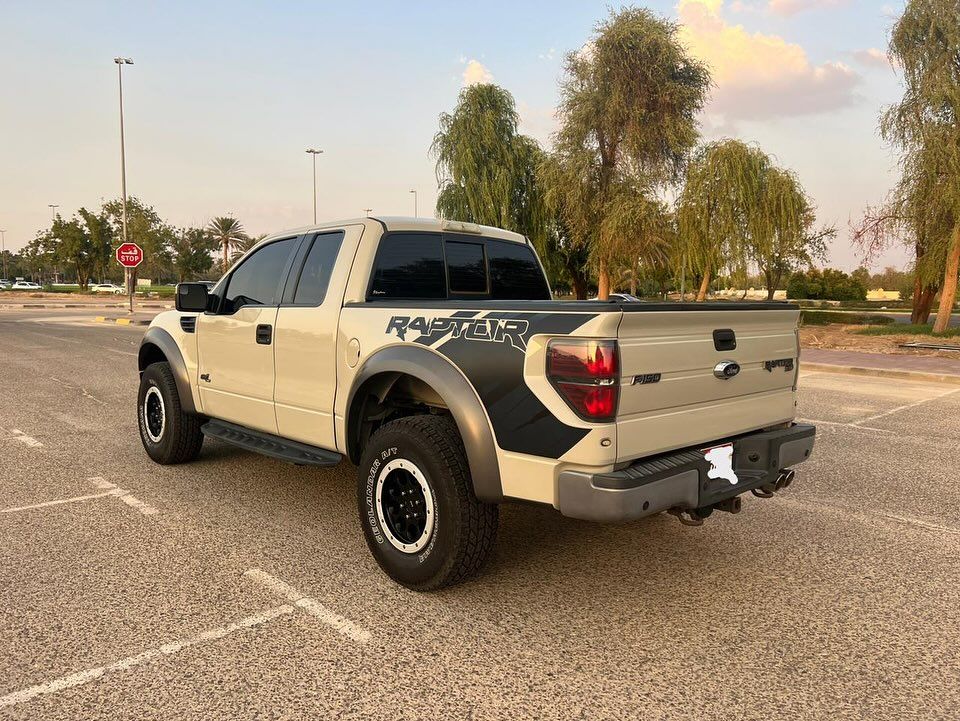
x=75 y=499
x=312 y=606
x=26 y=440
x=168 y=649
x=906 y=407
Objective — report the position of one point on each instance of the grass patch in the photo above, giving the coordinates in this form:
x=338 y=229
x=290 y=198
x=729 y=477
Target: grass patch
x=904 y=329
x=826 y=317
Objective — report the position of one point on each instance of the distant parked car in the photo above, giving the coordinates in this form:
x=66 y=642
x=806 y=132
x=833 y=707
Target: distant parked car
x=4 y=283
x=107 y=288
x=623 y=298
x=24 y=285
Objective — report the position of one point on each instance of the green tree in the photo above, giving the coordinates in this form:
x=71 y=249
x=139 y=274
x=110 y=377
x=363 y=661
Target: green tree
x=146 y=229
x=721 y=202
x=629 y=103
x=72 y=245
x=925 y=127
x=487 y=170
x=191 y=249
x=101 y=241
x=782 y=237
x=226 y=232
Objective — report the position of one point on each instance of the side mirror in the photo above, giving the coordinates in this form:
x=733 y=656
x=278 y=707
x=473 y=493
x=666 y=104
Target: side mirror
x=192 y=297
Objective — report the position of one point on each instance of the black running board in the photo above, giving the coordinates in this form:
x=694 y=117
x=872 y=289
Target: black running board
x=270 y=445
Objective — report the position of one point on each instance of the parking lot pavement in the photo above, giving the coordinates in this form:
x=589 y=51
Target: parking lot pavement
x=249 y=592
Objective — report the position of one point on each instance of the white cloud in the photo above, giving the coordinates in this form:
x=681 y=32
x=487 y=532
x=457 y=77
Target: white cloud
x=760 y=76
x=475 y=73
x=792 y=7
x=783 y=7
x=872 y=57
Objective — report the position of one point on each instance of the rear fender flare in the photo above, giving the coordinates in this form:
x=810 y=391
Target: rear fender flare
x=458 y=395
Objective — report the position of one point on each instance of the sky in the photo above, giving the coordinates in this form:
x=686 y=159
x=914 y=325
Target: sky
x=223 y=99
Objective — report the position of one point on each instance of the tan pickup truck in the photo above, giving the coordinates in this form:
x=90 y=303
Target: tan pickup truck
x=431 y=355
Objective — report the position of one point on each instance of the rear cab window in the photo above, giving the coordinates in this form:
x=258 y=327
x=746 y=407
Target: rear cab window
x=432 y=266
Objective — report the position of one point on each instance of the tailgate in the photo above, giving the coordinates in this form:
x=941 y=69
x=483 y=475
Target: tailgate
x=689 y=404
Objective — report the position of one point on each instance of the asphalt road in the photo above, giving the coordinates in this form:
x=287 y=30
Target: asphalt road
x=240 y=587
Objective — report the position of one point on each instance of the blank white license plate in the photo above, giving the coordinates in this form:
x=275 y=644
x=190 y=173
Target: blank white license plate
x=720 y=459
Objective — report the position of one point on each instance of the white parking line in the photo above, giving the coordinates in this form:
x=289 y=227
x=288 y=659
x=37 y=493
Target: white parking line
x=125 y=664
x=75 y=499
x=125 y=496
x=131 y=500
x=906 y=407
x=25 y=439
x=311 y=605
x=816 y=422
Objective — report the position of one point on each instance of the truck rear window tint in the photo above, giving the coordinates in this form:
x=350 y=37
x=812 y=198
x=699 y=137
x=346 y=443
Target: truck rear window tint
x=467 y=267
x=409 y=265
x=515 y=273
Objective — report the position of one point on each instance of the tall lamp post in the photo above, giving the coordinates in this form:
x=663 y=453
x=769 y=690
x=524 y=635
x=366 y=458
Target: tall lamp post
x=53 y=210
x=3 y=250
x=416 y=213
x=53 y=218
x=368 y=211
x=314 y=152
x=123 y=174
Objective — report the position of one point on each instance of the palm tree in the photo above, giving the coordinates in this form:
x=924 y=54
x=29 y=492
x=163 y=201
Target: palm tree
x=242 y=246
x=228 y=232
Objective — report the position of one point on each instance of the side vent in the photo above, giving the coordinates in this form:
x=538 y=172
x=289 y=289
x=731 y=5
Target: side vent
x=188 y=323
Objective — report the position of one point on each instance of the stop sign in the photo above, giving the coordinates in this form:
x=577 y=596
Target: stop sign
x=129 y=255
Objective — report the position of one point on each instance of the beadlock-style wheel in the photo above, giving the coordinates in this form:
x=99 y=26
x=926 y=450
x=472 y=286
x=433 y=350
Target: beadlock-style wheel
x=405 y=506
x=154 y=414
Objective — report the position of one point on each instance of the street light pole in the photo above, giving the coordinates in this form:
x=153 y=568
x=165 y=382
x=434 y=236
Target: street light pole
x=3 y=250
x=314 y=152
x=368 y=211
x=416 y=214
x=53 y=210
x=123 y=172
x=53 y=219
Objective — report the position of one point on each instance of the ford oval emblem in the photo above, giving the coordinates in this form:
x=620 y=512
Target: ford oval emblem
x=725 y=370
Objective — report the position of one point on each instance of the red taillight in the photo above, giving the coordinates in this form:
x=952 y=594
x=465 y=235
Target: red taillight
x=587 y=374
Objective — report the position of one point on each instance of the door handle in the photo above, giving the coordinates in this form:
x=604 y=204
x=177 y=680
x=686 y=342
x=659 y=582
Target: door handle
x=264 y=334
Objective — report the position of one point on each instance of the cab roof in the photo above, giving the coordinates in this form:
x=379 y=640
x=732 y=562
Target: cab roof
x=392 y=223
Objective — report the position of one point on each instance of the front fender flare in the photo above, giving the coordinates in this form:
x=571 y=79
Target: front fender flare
x=458 y=395
x=168 y=346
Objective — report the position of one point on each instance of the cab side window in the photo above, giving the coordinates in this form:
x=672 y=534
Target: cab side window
x=257 y=280
x=315 y=276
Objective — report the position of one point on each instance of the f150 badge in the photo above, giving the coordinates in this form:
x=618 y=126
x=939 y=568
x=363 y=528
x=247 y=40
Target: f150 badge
x=485 y=330
x=725 y=370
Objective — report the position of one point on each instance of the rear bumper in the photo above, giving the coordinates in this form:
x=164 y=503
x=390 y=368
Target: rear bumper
x=679 y=479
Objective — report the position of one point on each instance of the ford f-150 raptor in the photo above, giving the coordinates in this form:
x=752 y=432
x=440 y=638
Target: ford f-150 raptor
x=431 y=355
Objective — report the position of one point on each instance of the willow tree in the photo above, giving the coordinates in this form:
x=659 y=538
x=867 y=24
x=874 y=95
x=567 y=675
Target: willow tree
x=925 y=127
x=628 y=108
x=487 y=170
x=782 y=237
x=721 y=202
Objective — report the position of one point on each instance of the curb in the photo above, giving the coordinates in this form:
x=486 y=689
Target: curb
x=88 y=306
x=120 y=321
x=882 y=373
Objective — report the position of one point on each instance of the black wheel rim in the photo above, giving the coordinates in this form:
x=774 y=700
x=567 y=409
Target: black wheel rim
x=404 y=506
x=153 y=414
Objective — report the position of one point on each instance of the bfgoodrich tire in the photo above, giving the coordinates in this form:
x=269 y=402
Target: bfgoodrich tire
x=422 y=521
x=168 y=434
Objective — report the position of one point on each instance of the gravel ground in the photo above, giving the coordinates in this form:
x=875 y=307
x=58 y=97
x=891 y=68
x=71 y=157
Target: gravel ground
x=837 y=599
